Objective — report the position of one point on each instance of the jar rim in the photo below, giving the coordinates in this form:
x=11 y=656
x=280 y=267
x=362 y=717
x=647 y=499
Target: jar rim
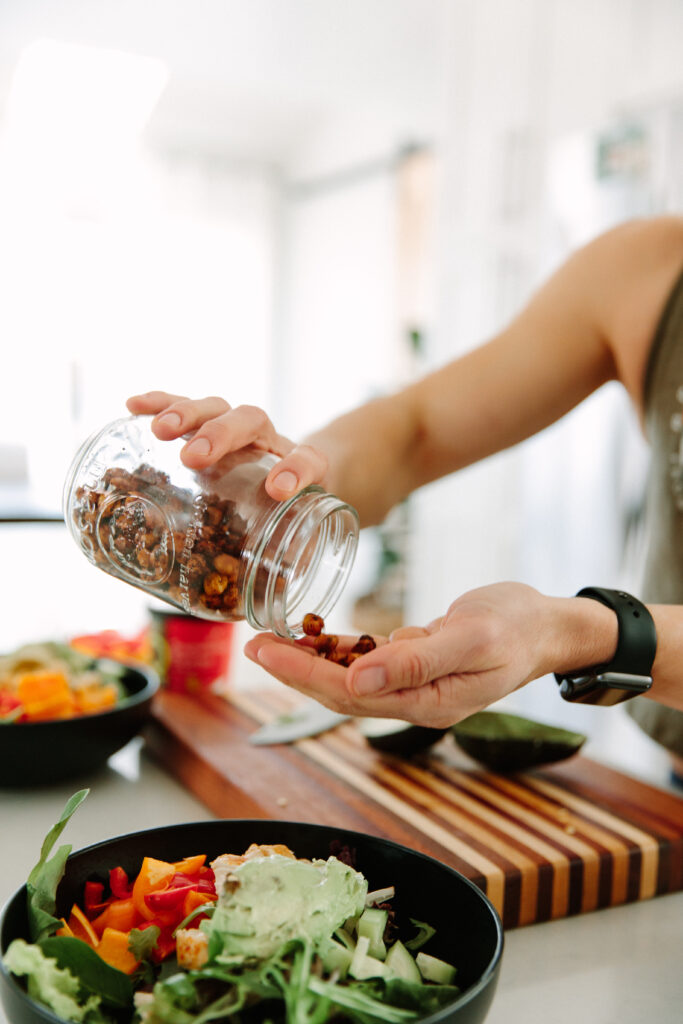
x=313 y=507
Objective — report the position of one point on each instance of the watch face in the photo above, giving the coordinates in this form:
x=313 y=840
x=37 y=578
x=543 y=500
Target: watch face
x=604 y=689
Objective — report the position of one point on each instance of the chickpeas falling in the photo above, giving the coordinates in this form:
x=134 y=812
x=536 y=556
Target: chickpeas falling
x=326 y=644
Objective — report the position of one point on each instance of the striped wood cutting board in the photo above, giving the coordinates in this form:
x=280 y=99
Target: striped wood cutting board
x=546 y=844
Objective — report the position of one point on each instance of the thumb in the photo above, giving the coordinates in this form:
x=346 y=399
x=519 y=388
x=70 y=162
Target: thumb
x=405 y=664
x=300 y=467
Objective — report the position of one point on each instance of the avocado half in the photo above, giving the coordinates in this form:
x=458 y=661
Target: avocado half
x=511 y=743
x=396 y=737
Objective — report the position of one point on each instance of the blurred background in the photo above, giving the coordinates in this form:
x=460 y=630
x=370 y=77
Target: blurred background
x=302 y=204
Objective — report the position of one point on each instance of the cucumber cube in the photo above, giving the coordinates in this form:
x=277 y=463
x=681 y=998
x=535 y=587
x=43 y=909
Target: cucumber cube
x=365 y=966
x=336 y=957
x=371 y=925
x=401 y=963
x=433 y=969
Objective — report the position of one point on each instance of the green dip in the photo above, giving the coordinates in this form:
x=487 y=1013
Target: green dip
x=264 y=902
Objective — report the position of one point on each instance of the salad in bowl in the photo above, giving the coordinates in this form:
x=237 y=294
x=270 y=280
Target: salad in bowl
x=190 y=924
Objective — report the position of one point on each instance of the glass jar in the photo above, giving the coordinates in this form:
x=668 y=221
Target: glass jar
x=213 y=542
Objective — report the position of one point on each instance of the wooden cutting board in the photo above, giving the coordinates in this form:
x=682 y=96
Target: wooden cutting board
x=544 y=844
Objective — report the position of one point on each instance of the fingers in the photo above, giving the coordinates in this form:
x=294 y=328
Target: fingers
x=301 y=669
x=228 y=431
x=218 y=429
x=150 y=403
x=408 y=633
x=186 y=416
x=175 y=415
x=408 y=663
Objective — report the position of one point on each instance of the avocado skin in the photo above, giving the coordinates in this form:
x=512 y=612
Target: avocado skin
x=411 y=739
x=508 y=743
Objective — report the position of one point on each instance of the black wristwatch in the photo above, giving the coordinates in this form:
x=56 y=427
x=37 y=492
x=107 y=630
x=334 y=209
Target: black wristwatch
x=628 y=674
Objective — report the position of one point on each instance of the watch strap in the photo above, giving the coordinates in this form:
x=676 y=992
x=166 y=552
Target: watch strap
x=628 y=674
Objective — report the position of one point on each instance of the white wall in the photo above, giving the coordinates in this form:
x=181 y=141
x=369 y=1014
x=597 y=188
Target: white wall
x=526 y=78
x=172 y=290
x=532 y=84
x=524 y=85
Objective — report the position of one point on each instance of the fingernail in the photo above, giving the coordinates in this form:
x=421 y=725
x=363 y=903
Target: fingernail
x=262 y=657
x=370 y=680
x=170 y=419
x=198 y=447
x=286 y=481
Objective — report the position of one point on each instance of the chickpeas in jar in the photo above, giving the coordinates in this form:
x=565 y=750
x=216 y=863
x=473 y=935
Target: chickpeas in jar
x=212 y=543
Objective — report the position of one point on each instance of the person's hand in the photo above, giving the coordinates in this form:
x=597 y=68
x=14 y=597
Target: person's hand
x=490 y=642
x=216 y=428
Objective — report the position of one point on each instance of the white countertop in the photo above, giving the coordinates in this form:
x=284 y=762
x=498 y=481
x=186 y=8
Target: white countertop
x=623 y=965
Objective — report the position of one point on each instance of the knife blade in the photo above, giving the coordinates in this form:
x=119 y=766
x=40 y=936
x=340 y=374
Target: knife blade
x=309 y=719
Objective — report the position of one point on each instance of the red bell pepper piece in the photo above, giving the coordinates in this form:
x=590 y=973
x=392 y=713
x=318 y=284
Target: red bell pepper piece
x=207 y=887
x=182 y=879
x=119 y=884
x=201 y=885
x=165 y=946
x=92 y=894
x=9 y=705
x=92 y=899
x=168 y=899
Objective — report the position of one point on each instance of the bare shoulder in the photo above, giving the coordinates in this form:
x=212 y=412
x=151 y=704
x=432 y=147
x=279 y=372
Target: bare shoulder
x=639 y=251
x=630 y=271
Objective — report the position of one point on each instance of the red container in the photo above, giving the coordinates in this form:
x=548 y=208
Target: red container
x=190 y=654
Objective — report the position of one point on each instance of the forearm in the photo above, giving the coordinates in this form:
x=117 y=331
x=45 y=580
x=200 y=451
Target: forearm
x=487 y=400
x=667 y=671
x=591 y=322
x=370 y=452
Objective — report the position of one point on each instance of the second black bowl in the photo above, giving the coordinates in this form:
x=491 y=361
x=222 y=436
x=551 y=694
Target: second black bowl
x=40 y=753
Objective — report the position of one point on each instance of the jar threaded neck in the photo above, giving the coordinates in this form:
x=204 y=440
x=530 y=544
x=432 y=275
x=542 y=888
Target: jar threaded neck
x=299 y=560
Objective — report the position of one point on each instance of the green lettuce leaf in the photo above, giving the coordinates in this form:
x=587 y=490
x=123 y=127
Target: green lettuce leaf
x=95 y=976
x=47 y=874
x=51 y=984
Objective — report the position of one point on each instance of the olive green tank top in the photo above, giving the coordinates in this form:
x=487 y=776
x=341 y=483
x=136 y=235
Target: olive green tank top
x=663 y=579
x=663 y=567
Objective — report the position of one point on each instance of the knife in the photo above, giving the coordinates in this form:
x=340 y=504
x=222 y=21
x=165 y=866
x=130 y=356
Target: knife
x=309 y=719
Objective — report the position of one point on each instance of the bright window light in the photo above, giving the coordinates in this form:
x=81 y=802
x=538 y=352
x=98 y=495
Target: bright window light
x=75 y=117
x=66 y=92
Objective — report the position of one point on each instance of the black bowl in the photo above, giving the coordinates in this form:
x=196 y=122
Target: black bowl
x=468 y=930
x=39 y=753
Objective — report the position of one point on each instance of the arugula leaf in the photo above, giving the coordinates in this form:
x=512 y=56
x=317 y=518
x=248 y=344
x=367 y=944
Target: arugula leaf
x=204 y=908
x=426 y=999
x=141 y=941
x=95 y=976
x=46 y=875
x=361 y=1000
x=299 y=1001
x=180 y=999
x=424 y=934
x=215 y=943
x=175 y=1000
